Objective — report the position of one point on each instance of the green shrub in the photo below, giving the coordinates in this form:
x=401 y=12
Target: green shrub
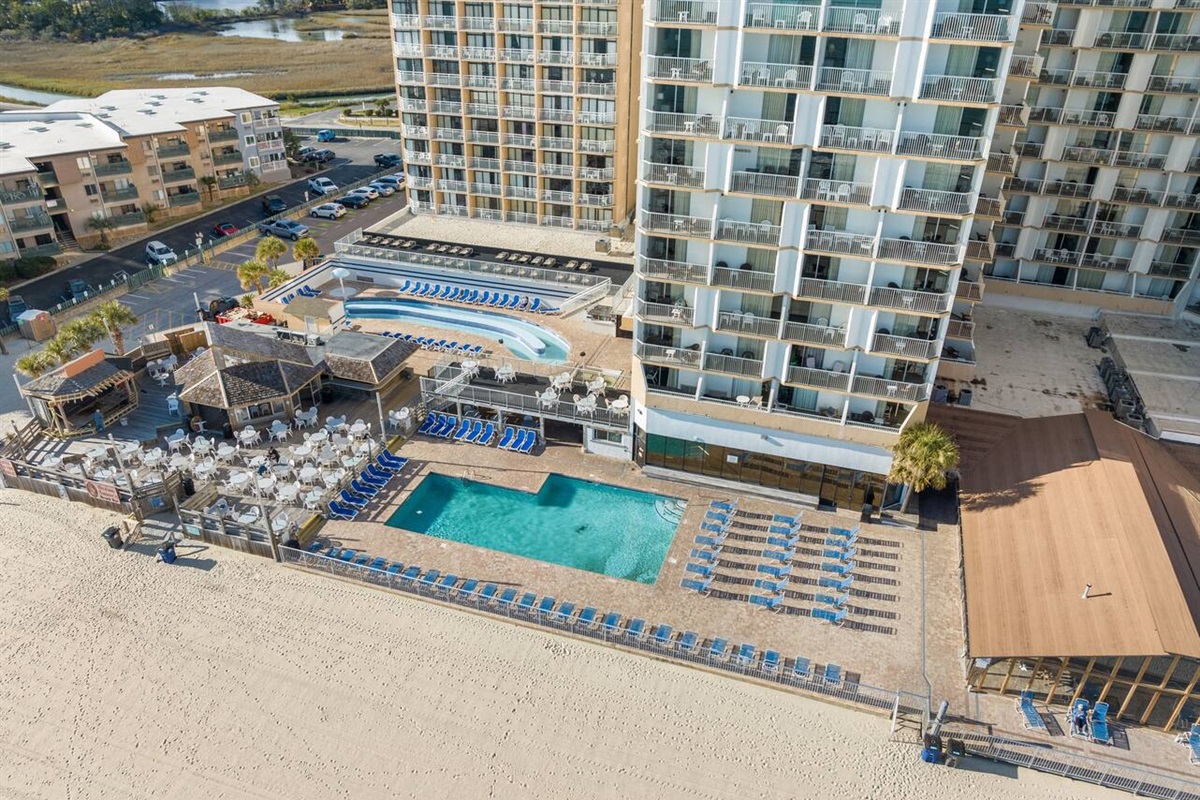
x=32 y=267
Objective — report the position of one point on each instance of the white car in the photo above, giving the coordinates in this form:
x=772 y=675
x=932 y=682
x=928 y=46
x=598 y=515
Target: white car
x=396 y=183
x=322 y=186
x=365 y=191
x=385 y=189
x=158 y=254
x=328 y=211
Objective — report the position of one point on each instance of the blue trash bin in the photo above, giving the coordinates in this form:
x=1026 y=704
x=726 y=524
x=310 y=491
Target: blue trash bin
x=167 y=554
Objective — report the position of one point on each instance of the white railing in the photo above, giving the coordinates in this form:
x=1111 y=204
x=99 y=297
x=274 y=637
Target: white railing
x=678 y=271
x=819 y=378
x=749 y=232
x=903 y=346
x=956 y=87
x=862 y=20
x=743 y=279
x=937 y=145
x=855 y=81
x=757 y=130
x=676 y=223
x=831 y=191
x=761 y=183
x=814 y=334
x=519 y=139
x=742 y=322
x=919 y=252
x=677 y=355
x=674 y=174
x=553 y=143
x=910 y=300
x=675 y=314
x=735 y=365
x=780 y=76
x=560 y=170
x=854 y=244
x=681 y=69
x=688 y=12
x=692 y=124
x=973 y=27
x=526 y=167
x=867 y=140
x=935 y=201
x=794 y=17
x=892 y=390
x=836 y=291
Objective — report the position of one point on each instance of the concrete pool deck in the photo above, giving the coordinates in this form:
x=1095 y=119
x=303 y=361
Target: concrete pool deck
x=887 y=660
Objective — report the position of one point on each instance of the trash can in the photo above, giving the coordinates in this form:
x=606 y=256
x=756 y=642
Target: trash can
x=166 y=553
x=931 y=752
x=964 y=397
x=189 y=486
x=112 y=535
x=940 y=393
x=1095 y=337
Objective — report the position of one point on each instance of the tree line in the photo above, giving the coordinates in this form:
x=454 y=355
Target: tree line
x=77 y=21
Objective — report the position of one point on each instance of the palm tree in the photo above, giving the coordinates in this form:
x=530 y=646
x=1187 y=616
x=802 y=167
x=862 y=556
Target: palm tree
x=36 y=364
x=269 y=250
x=922 y=457
x=103 y=225
x=112 y=317
x=251 y=274
x=306 y=250
x=210 y=183
x=80 y=334
x=277 y=277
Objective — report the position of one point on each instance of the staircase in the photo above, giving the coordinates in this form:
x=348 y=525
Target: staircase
x=670 y=509
x=67 y=240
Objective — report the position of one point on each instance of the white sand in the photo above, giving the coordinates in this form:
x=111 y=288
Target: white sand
x=226 y=676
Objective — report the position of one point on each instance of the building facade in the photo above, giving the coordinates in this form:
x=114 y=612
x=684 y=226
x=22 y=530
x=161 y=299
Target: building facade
x=117 y=156
x=519 y=111
x=812 y=181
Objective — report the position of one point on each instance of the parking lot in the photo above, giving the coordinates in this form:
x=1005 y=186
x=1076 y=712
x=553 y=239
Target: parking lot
x=354 y=162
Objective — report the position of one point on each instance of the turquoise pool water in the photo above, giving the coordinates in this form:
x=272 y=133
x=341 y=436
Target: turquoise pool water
x=592 y=526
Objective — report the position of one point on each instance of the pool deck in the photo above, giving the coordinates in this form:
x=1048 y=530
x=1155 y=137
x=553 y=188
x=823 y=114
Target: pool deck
x=884 y=659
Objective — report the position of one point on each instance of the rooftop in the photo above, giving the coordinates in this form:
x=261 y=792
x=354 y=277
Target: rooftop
x=138 y=112
x=27 y=136
x=64 y=384
x=363 y=357
x=1162 y=356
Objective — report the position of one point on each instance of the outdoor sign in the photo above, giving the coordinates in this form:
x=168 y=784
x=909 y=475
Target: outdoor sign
x=100 y=490
x=8 y=468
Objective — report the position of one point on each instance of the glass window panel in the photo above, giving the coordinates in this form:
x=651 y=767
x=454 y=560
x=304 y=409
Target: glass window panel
x=1158 y=669
x=1138 y=705
x=1163 y=709
x=1185 y=670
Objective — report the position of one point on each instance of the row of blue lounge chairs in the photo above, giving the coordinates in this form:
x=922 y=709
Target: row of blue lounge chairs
x=447 y=426
x=430 y=343
x=366 y=486
x=477 y=297
x=518 y=440
x=1085 y=722
x=303 y=291
x=1192 y=740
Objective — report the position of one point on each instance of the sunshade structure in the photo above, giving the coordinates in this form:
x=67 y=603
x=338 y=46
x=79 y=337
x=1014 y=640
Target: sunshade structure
x=71 y=399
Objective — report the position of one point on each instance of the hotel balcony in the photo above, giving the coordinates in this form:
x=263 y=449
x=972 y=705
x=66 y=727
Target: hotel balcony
x=1181 y=236
x=922 y=253
x=1025 y=66
x=450 y=134
x=774 y=16
x=733 y=365
x=47 y=177
x=34 y=222
x=808 y=333
x=1013 y=116
x=1039 y=14
x=749 y=129
x=557 y=170
x=934 y=201
x=857 y=139
x=1162 y=123
x=1170 y=269
x=131 y=218
x=889 y=389
x=832 y=291
x=231 y=157
x=1175 y=42
x=1067 y=188
x=173 y=149
x=1002 y=163
x=831 y=191
x=685 y=12
x=492 y=189
x=1184 y=200
x=747 y=324
x=1120 y=230
x=970 y=291
x=856 y=245
x=109 y=168
x=1060 y=222
x=1087 y=155
x=702 y=125
x=903 y=346
x=973 y=27
x=989 y=207
x=1170 y=84
x=178 y=175
x=665 y=313
x=869 y=21
x=855 y=81
x=670 y=356
x=521 y=192
x=223 y=135
x=1110 y=263
x=960 y=89
x=744 y=279
x=759 y=183
x=673 y=271
x=911 y=300
x=30 y=194
x=673 y=175
x=937 y=145
x=114 y=195
x=676 y=224
x=417 y=157
x=689 y=70
x=1125 y=158
x=524 y=167
x=763 y=75
x=1058 y=257
x=759 y=233
x=960 y=329
x=814 y=378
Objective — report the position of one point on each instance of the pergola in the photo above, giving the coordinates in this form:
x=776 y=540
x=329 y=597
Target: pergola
x=67 y=400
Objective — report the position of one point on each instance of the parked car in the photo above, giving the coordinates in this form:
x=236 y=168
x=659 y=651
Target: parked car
x=224 y=229
x=216 y=305
x=387 y=160
x=16 y=306
x=320 y=156
x=273 y=204
x=326 y=135
x=353 y=201
x=322 y=186
x=328 y=211
x=304 y=152
x=284 y=229
x=365 y=191
x=77 y=289
x=158 y=254
x=384 y=189
x=389 y=180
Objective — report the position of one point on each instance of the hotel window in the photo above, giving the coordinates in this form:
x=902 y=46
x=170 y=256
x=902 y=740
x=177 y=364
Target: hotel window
x=249 y=141
x=614 y=437
x=247 y=118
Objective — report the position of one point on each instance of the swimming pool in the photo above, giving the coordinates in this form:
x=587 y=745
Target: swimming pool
x=524 y=339
x=591 y=526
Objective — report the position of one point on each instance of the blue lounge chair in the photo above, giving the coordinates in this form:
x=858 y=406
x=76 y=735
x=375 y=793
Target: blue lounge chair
x=718 y=650
x=478 y=348
x=1077 y=719
x=535 y=306
x=636 y=629
x=525 y=604
x=527 y=444
x=1032 y=719
x=404 y=288
x=378 y=563
x=716 y=516
x=709 y=541
x=833 y=674
x=785 y=519
x=488 y=435
x=450 y=348
x=476 y=432
x=711 y=556
x=397 y=461
x=786 y=544
x=662 y=635
x=314 y=547
x=463 y=428
x=375 y=476
x=771 y=586
x=546 y=606
x=703 y=570
x=611 y=622
x=468 y=588
x=720 y=530
x=447 y=583
x=769 y=603
x=587 y=617
x=781 y=530
x=516 y=301
x=361 y=560
x=430 y=423
x=448 y=424
x=367 y=479
x=507 y=440
x=409 y=575
x=1193 y=743
x=485 y=298
x=837 y=567
x=333 y=552
x=394 y=568
x=770 y=661
x=429 y=579
x=688 y=641
x=447 y=292
x=830 y=616
x=779 y=555
x=507 y=597
x=833 y=600
x=564 y=612
x=364 y=489
x=338 y=511
x=357 y=502
x=488 y=592
x=775 y=572
x=722 y=506
x=801 y=669
x=501 y=301
x=830 y=582
x=387 y=466
x=695 y=585
x=843 y=533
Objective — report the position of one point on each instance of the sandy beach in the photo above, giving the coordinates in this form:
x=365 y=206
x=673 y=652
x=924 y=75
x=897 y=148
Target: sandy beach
x=227 y=676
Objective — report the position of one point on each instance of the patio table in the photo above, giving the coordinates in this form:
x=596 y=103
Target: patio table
x=239 y=479
x=359 y=429
x=309 y=474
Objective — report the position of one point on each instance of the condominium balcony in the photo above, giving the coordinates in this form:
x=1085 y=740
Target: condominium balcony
x=443 y=22
x=223 y=135
x=1170 y=269
x=989 y=207
x=597 y=173
x=832 y=291
x=232 y=181
x=480 y=109
x=33 y=222
x=840 y=243
x=1087 y=155
x=409 y=76
x=673 y=175
x=1119 y=230
x=761 y=233
x=1164 y=123
x=693 y=70
x=420 y=182
x=919 y=252
x=557 y=170
x=417 y=157
x=677 y=224
x=747 y=324
x=1175 y=42
x=597 y=117
x=1003 y=163
x=1181 y=236
x=1015 y=115
x=556 y=143
x=760 y=183
x=561 y=57
x=520 y=139
x=674 y=271
x=911 y=299
x=751 y=129
x=744 y=279
x=705 y=125
x=597 y=145
x=1110 y=263
x=776 y=16
x=1088 y=119
x=733 y=365
x=1138 y=195
x=1066 y=188
x=1185 y=200
x=1025 y=66
x=961 y=89
x=871 y=21
x=1121 y=40
x=669 y=313
x=230 y=157
x=864 y=140
x=479 y=81
x=448 y=134
x=831 y=191
x=671 y=356
x=838 y=381
x=30 y=194
x=1060 y=222
x=521 y=192
x=685 y=12
x=776 y=76
x=808 y=333
x=184 y=199
x=1029 y=149
x=1060 y=256
x=446 y=185
x=525 y=167
x=47 y=177
x=178 y=175
x=557 y=115
x=173 y=149
x=890 y=389
x=981 y=249
x=107 y=168
x=973 y=27
x=519 y=112
x=937 y=145
x=518 y=56
x=1170 y=84
x=876 y=82
x=114 y=195
x=1023 y=185
x=934 y=201
x=492 y=189
x=1125 y=158
x=1038 y=14
x=971 y=291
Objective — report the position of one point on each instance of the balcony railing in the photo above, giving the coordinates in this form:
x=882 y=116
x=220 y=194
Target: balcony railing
x=905 y=346
x=1173 y=85
x=1061 y=222
x=749 y=232
x=27 y=195
x=989 y=207
x=674 y=271
x=232 y=181
x=743 y=279
x=1068 y=189
x=733 y=365
x=1004 y=163
x=1040 y=13
x=1106 y=262
x=1170 y=269
x=691 y=124
x=697 y=70
x=675 y=314
x=855 y=81
x=819 y=378
x=131 y=218
x=775 y=16
x=184 y=199
x=1023 y=66
x=973 y=27
x=935 y=201
x=937 y=145
x=840 y=242
x=449 y=134
x=960 y=329
x=178 y=175
x=892 y=390
x=1125 y=158
x=1182 y=200
x=747 y=323
x=919 y=252
x=970 y=291
x=114 y=195
x=1175 y=42
x=30 y=223
x=765 y=184
x=1087 y=155
x=862 y=20
x=960 y=89
x=834 y=291
x=674 y=175
x=176 y=149
x=1060 y=256
x=911 y=300
x=107 y=168
x=1181 y=235
x=663 y=354
x=1088 y=119
x=485 y=188
x=866 y=140
x=776 y=76
x=831 y=191
x=1014 y=116
x=677 y=224
x=808 y=333
x=757 y=130
x=1160 y=122
x=223 y=135
x=231 y=157
x=559 y=170
x=1122 y=230
x=524 y=167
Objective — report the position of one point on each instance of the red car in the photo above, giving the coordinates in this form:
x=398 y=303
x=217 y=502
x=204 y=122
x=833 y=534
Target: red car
x=224 y=229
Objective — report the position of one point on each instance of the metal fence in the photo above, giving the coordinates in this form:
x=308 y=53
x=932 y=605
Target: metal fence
x=364 y=133
x=881 y=700
x=1110 y=774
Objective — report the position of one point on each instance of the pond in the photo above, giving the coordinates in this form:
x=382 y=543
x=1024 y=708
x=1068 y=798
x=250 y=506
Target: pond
x=32 y=96
x=282 y=29
x=210 y=5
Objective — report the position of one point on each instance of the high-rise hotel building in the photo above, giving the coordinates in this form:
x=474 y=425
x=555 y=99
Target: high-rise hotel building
x=813 y=179
x=520 y=111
